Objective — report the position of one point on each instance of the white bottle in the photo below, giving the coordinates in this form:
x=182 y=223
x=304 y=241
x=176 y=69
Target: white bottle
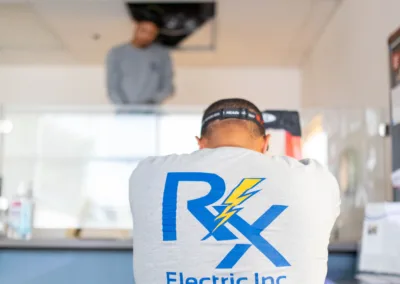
x=3 y=216
x=20 y=213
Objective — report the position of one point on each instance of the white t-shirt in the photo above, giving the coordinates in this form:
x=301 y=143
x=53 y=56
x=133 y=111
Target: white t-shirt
x=231 y=216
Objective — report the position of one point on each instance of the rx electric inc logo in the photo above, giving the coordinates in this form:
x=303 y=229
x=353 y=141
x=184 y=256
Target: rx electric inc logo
x=228 y=212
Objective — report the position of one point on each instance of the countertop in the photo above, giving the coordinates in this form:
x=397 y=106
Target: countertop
x=61 y=244
x=120 y=244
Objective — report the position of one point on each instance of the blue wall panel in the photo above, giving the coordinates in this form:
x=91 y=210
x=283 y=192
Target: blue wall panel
x=100 y=267
x=65 y=267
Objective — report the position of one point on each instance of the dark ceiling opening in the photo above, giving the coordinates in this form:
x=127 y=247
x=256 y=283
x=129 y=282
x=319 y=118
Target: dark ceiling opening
x=178 y=20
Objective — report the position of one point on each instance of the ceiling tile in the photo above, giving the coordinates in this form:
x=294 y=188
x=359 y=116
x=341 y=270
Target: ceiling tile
x=21 y=28
x=256 y=32
x=317 y=20
x=88 y=28
x=270 y=21
x=308 y=34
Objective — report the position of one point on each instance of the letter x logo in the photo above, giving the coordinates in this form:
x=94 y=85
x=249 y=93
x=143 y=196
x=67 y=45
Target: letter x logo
x=227 y=213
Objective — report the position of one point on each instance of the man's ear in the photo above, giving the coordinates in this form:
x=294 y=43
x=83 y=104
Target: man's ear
x=266 y=143
x=199 y=143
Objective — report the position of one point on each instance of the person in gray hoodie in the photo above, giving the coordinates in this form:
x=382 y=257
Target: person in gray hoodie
x=140 y=71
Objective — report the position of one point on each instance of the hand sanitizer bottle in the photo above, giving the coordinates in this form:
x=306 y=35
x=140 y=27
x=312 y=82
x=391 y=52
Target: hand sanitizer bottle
x=21 y=209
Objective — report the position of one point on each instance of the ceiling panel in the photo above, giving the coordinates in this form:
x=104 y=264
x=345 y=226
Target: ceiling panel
x=270 y=21
x=89 y=28
x=21 y=28
x=318 y=18
x=256 y=32
x=231 y=58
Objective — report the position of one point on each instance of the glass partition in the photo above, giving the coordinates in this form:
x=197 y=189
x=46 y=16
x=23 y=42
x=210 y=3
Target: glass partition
x=80 y=159
x=349 y=143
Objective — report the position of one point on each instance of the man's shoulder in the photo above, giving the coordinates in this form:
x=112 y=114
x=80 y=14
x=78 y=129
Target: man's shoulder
x=304 y=170
x=161 y=163
x=118 y=48
x=304 y=164
x=309 y=176
x=289 y=167
x=159 y=160
x=175 y=162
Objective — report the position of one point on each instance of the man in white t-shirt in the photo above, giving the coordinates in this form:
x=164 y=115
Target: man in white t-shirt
x=228 y=213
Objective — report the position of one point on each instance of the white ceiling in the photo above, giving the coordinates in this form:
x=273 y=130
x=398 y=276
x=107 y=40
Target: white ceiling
x=263 y=33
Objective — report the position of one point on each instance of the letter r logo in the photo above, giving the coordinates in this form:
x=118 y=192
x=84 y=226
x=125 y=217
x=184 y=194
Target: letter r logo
x=227 y=213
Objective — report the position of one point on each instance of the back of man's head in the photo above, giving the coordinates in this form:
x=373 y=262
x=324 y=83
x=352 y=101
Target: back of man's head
x=233 y=123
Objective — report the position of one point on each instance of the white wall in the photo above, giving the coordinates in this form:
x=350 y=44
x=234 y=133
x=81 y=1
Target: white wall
x=270 y=88
x=348 y=67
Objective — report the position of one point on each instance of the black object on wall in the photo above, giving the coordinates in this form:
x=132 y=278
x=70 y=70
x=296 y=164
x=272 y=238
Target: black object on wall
x=289 y=121
x=283 y=119
x=178 y=20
